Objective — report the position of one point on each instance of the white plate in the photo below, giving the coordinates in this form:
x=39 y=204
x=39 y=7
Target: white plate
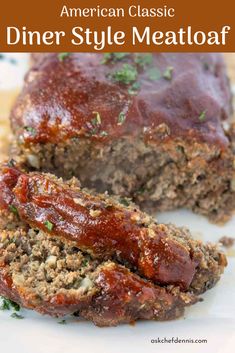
x=212 y=320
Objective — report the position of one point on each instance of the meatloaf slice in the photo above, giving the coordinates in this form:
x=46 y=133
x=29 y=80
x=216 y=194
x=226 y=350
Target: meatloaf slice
x=152 y=127
x=107 y=230
x=52 y=276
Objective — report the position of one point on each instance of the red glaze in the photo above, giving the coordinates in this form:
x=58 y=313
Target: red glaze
x=113 y=233
x=124 y=297
x=60 y=97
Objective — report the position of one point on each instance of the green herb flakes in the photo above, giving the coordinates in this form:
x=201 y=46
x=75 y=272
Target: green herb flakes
x=167 y=74
x=202 y=116
x=133 y=89
x=120 y=56
x=126 y=74
x=97 y=119
x=143 y=59
x=62 y=322
x=30 y=129
x=141 y=190
x=85 y=262
x=93 y=132
x=154 y=74
x=106 y=58
x=49 y=225
x=121 y=118
x=11 y=163
x=8 y=304
x=13 y=209
x=113 y=57
x=124 y=201
x=206 y=66
x=103 y=133
x=17 y=316
x=62 y=56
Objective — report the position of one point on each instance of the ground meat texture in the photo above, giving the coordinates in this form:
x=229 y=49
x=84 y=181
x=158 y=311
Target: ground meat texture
x=52 y=276
x=108 y=230
x=168 y=145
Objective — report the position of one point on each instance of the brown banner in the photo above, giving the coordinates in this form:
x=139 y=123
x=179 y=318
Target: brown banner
x=117 y=25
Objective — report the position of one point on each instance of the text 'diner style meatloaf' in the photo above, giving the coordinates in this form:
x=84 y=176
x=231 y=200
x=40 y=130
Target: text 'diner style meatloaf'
x=152 y=127
x=63 y=250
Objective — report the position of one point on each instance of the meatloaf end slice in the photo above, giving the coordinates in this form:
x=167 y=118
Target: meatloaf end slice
x=152 y=127
x=52 y=276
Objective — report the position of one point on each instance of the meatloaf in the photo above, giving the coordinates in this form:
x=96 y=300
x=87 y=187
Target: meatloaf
x=152 y=127
x=65 y=250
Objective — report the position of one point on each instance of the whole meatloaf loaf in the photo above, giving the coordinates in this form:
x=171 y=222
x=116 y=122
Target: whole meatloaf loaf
x=152 y=127
x=64 y=250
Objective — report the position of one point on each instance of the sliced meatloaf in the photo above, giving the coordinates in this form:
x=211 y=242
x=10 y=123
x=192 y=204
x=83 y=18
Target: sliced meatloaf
x=64 y=250
x=107 y=228
x=152 y=127
x=52 y=276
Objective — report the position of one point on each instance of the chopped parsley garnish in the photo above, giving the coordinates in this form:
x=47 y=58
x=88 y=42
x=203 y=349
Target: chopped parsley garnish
x=121 y=118
x=85 y=262
x=11 y=163
x=134 y=88
x=8 y=304
x=113 y=57
x=13 y=209
x=126 y=74
x=97 y=119
x=143 y=59
x=62 y=322
x=120 y=56
x=49 y=225
x=202 y=116
x=10 y=60
x=167 y=74
x=106 y=58
x=124 y=201
x=30 y=129
x=17 y=316
x=206 y=66
x=154 y=74
x=93 y=132
x=62 y=56
x=103 y=133
x=141 y=190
